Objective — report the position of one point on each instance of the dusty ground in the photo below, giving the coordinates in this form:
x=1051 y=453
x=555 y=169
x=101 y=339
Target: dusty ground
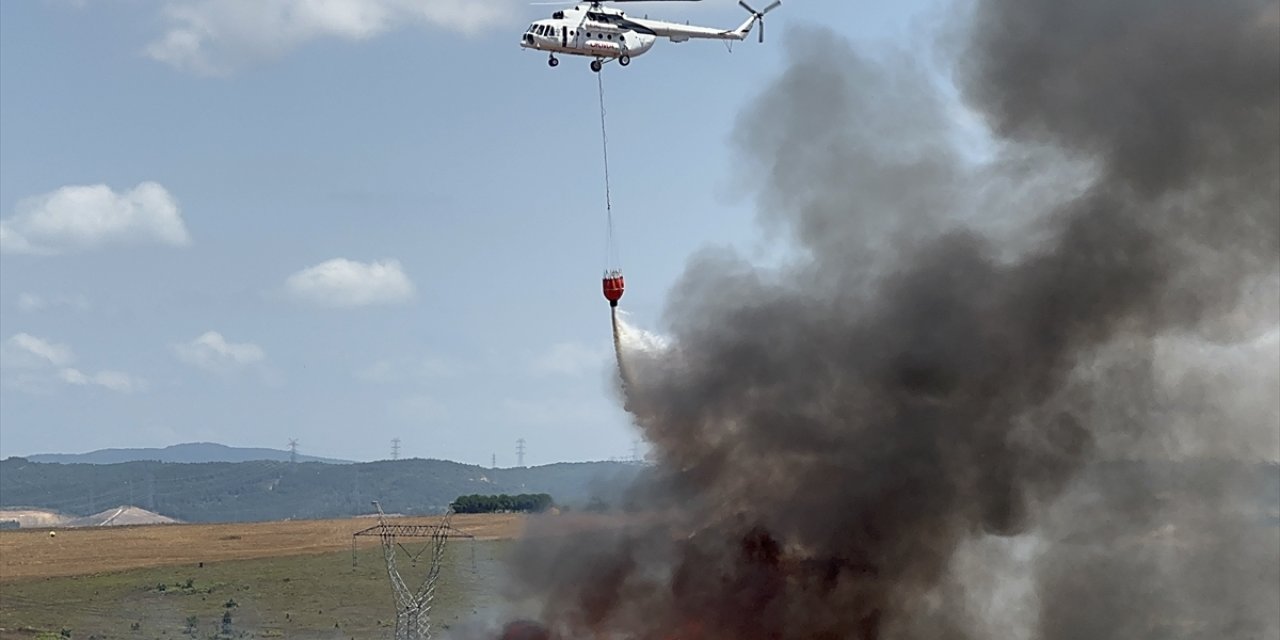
x=86 y=551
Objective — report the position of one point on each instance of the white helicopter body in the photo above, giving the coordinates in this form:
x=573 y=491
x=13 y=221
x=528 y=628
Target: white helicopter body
x=591 y=30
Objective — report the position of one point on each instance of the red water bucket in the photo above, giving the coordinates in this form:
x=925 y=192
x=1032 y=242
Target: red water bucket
x=613 y=287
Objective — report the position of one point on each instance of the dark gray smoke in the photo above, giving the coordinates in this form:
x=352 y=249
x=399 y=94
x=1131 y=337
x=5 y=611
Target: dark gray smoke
x=950 y=418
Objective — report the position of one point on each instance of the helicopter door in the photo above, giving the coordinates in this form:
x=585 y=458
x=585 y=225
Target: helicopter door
x=564 y=37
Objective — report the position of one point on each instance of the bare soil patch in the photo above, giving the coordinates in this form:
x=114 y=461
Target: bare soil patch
x=34 y=517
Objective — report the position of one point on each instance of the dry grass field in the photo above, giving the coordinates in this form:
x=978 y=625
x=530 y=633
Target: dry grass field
x=35 y=554
x=291 y=579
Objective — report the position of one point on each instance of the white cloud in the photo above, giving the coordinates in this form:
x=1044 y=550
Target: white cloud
x=212 y=352
x=572 y=358
x=113 y=380
x=80 y=217
x=41 y=364
x=215 y=36
x=26 y=351
x=345 y=283
x=32 y=303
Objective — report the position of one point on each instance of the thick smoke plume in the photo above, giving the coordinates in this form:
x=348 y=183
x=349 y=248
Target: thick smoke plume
x=972 y=407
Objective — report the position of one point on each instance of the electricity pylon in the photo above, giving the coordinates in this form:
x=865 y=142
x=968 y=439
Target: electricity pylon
x=413 y=607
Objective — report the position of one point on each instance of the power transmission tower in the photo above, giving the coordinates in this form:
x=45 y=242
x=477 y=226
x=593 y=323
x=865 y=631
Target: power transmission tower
x=493 y=461
x=413 y=608
x=395 y=448
x=293 y=451
x=520 y=452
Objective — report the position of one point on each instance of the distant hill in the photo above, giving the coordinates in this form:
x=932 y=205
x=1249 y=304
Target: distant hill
x=188 y=452
x=114 y=517
x=272 y=490
x=34 y=517
x=120 y=516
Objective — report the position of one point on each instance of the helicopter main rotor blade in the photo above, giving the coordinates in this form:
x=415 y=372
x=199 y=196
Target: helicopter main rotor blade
x=760 y=14
x=598 y=2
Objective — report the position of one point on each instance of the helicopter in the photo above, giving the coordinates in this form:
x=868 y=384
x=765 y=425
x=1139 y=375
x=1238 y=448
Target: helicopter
x=606 y=34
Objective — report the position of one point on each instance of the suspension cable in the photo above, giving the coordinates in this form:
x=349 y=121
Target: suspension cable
x=610 y=242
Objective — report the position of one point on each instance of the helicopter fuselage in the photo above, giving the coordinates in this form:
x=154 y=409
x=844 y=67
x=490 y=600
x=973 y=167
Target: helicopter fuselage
x=591 y=30
x=586 y=38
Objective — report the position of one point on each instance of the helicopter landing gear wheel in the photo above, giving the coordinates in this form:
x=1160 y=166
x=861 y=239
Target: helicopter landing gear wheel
x=624 y=60
x=552 y=61
x=596 y=66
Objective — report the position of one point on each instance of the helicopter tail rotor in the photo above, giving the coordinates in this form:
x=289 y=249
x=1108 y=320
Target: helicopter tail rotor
x=759 y=15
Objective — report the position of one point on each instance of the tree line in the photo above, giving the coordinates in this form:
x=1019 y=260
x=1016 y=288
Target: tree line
x=503 y=503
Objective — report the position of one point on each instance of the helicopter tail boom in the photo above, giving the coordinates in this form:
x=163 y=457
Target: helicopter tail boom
x=744 y=29
x=756 y=16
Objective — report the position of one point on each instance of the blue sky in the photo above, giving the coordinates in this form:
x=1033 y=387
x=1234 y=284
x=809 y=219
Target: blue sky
x=245 y=222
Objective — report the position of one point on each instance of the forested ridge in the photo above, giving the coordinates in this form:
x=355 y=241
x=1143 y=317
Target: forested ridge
x=272 y=490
